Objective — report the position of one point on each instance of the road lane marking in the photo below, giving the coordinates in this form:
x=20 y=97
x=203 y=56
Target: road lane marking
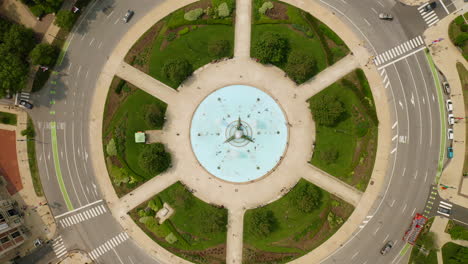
x=416 y=175
x=445 y=7
x=375 y=11
x=393 y=202
x=68 y=167
x=84 y=35
x=77 y=209
x=404 y=208
x=74 y=159
x=395 y=137
x=355 y=255
x=386 y=237
x=393 y=151
x=376 y=230
x=414 y=210
x=367 y=22
x=90 y=43
x=63 y=190
x=428 y=104
x=116 y=21
x=378 y=2
x=100 y=44
x=394 y=124
x=110 y=14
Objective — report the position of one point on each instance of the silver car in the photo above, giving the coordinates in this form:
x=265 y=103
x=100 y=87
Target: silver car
x=385 y=16
x=386 y=248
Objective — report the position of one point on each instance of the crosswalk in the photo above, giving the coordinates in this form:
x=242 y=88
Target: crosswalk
x=430 y=17
x=108 y=245
x=444 y=205
x=82 y=216
x=402 y=49
x=59 y=248
x=430 y=201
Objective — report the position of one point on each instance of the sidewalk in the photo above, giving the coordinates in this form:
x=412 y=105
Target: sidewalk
x=445 y=57
x=243 y=28
x=441 y=238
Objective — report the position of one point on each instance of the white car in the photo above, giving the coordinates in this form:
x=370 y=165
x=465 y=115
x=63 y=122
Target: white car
x=449 y=105
x=450 y=119
x=450 y=134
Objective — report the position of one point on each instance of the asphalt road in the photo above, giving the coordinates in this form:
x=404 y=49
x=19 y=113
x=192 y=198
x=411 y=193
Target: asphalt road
x=66 y=101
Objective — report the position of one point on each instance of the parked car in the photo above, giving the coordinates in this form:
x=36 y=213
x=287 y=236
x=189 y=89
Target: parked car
x=128 y=16
x=385 y=16
x=450 y=152
x=431 y=6
x=386 y=248
x=449 y=105
x=444 y=210
x=450 y=134
x=446 y=87
x=25 y=104
x=450 y=119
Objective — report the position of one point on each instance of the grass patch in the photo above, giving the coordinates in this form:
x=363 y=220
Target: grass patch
x=31 y=144
x=196 y=231
x=124 y=115
x=353 y=136
x=294 y=232
x=454 y=254
x=463 y=73
x=458 y=33
x=8 y=118
x=456 y=231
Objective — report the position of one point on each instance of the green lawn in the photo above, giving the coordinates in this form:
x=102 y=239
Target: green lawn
x=200 y=228
x=8 y=118
x=128 y=114
x=356 y=155
x=295 y=232
x=454 y=254
x=456 y=231
x=191 y=46
x=455 y=31
x=463 y=73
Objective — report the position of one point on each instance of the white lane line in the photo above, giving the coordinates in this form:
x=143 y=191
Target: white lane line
x=425 y=178
x=416 y=175
x=395 y=137
x=386 y=237
x=116 y=21
x=68 y=167
x=422 y=6
x=445 y=8
x=86 y=75
x=382 y=72
x=414 y=210
x=85 y=206
x=375 y=11
x=110 y=14
x=404 y=171
x=401 y=58
x=385 y=78
x=378 y=2
x=100 y=44
x=118 y=257
x=404 y=208
x=78 y=72
x=419 y=105
x=394 y=125
x=355 y=255
x=376 y=230
x=84 y=35
x=393 y=151
x=428 y=104
x=433 y=23
x=367 y=22
x=387 y=84
x=90 y=43
x=442 y=202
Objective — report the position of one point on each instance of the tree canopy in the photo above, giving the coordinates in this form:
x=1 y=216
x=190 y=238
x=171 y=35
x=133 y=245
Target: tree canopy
x=300 y=66
x=326 y=109
x=271 y=48
x=44 y=54
x=65 y=19
x=263 y=223
x=177 y=70
x=306 y=197
x=154 y=159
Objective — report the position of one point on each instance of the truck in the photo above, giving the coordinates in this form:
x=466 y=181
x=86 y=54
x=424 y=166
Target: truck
x=417 y=224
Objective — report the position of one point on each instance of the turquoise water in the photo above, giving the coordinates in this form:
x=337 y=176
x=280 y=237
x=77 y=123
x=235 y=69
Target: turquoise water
x=224 y=146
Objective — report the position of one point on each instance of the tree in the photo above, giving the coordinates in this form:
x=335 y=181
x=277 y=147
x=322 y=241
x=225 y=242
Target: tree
x=19 y=40
x=461 y=39
x=13 y=71
x=177 y=70
x=219 y=48
x=154 y=117
x=271 y=48
x=65 y=19
x=326 y=109
x=300 y=66
x=154 y=159
x=263 y=222
x=28 y=132
x=44 y=54
x=306 y=197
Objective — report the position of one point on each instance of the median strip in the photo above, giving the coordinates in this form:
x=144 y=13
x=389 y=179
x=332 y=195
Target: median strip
x=53 y=132
x=440 y=97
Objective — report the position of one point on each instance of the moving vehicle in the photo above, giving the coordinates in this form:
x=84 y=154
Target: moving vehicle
x=431 y=6
x=386 y=248
x=450 y=119
x=25 y=104
x=385 y=16
x=128 y=16
x=446 y=87
x=450 y=134
x=449 y=152
x=449 y=105
x=417 y=224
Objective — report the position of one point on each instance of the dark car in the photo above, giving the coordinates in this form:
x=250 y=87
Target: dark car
x=444 y=210
x=128 y=16
x=25 y=104
x=430 y=7
x=446 y=86
x=386 y=248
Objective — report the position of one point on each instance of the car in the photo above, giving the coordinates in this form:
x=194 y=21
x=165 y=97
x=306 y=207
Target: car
x=25 y=104
x=449 y=105
x=446 y=87
x=385 y=16
x=386 y=248
x=128 y=16
x=444 y=210
x=450 y=119
x=449 y=152
x=431 y=6
x=450 y=134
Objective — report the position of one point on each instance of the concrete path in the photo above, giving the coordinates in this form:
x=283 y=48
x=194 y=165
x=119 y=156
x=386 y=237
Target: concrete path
x=146 y=83
x=328 y=77
x=242 y=28
x=235 y=235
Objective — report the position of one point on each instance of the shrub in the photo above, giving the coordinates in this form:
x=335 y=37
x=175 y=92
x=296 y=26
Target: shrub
x=263 y=223
x=193 y=14
x=223 y=10
x=300 y=66
x=362 y=128
x=122 y=176
x=37 y=10
x=266 y=6
x=329 y=155
x=119 y=137
x=271 y=48
x=177 y=70
x=183 y=31
x=171 y=238
x=65 y=19
x=120 y=85
x=153 y=205
x=331 y=34
x=154 y=117
x=29 y=132
x=171 y=36
x=44 y=54
x=334 y=220
x=154 y=159
x=459 y=20
x=326 y=109
x=111 y=149
x=464 y=27
x=219 y=48
x=306 y=197
x=461 y=39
